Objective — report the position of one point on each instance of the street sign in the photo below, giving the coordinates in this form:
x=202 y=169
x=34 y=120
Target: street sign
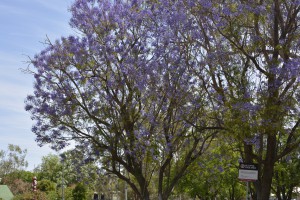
x=248 y=172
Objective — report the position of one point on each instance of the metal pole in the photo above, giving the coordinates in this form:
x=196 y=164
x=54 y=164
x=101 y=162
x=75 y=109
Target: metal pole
x=126 y=186
x=247 y=195
x=62 y=182
x=125 y=191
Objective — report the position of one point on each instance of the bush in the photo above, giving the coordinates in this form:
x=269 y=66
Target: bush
x=80 y=192
x=46 y=186
x=30 y=196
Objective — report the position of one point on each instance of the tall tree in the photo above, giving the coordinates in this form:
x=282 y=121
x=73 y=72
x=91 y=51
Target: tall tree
x=251 y=51
x=123 y=91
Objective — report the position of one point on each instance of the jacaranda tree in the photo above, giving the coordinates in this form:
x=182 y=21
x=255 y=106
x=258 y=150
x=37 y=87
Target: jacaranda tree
x=124 y=91
x=146 y=85
x=251 y=51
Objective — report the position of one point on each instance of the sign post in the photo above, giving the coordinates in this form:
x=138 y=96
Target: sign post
x=248 y=172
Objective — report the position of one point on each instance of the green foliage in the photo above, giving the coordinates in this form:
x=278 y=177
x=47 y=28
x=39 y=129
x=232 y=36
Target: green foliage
x=12 y=159
x=18 y=186
x=18 y=180
x=46 y=186
x=53 y=169
x=67 y=192
x=50 y=168
x=25 y=196
x=26 y=176
x=76 y=169
x=30 y=195
x=286 y=177
x=80 y=192
x=214 y=175
x=52 y=195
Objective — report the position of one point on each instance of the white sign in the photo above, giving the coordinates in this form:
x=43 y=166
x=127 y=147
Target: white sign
x=248 y=172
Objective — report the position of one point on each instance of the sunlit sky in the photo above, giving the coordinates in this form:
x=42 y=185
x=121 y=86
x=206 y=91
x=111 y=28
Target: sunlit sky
x=24 y=26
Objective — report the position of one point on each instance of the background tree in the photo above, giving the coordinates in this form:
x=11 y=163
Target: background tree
x=79 y=168
x=50 y=168
x=214 y=175
x=12 y=165
x=286 y=178
x=12 y=159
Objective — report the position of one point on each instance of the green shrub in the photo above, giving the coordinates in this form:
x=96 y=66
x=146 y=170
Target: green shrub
x=46 y=186
x=80 y=192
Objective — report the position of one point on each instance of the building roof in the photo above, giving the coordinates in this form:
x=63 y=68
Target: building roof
x=5 y=193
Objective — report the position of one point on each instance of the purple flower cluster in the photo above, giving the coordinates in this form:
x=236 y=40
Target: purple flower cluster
x=255 y=140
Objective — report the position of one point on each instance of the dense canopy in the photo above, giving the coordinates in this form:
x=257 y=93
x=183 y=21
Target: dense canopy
x=147 y=85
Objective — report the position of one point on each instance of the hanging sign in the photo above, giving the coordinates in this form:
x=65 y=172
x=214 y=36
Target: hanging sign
x=248 y=172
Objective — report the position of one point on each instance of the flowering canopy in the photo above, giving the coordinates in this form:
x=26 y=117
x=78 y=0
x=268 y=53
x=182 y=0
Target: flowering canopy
x=252 y=51
x=124 y=90
x=145 y=80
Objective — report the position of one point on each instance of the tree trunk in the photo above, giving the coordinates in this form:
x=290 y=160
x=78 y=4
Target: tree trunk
x=146 y=195
x=268 y=168
x=144 y=189
x=266 y=183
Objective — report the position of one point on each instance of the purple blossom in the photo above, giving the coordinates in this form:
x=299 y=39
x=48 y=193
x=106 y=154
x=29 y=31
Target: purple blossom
x=255 y=140
x=28 y=107
x=240 y=160
x=220 y=168
x=206 y=4
x=226 y=11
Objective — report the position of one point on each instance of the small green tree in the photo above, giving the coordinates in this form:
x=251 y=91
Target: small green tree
x=80 y=192
x=50 y=168
x=46 y=185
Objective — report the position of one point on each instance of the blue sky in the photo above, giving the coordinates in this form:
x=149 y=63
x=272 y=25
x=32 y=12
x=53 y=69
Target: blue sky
x=24 y=25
